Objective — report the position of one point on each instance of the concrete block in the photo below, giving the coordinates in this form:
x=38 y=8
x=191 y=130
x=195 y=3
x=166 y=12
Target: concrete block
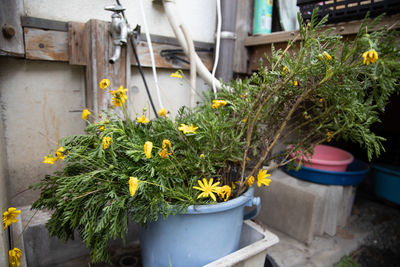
x=333 y=203
x=289 y=208
x=303 y=209
x=349 y=193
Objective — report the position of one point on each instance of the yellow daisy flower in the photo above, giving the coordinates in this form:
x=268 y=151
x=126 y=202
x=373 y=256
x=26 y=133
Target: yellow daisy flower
x=60 y=153
x=225 y=192
x=10 y=216
x=370 y=56
x=119 y=96
x=104 y=84
x=162 y=112
x=106 y=141
x=85 y=114
x=142 y=119
x=148 y=146
x=218 y=103
x=250 y=181
x=327 y=56
x=49 y=159
x=187 y=129
x=133 y=185
x=329 y=136
x=14 y=257
x=295 y=83
x=176 y=75
x=208 y=188
x=262 y=178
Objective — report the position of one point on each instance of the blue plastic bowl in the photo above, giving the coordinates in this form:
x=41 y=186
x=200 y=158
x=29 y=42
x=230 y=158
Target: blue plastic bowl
x=354 y=174
x=387 y=182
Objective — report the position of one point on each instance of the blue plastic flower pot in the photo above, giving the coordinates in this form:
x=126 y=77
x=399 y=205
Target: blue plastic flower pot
x=387 y=182
x=201 y=235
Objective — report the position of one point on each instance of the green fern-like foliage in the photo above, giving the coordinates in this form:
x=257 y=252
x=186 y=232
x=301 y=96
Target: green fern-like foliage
x=317 y=89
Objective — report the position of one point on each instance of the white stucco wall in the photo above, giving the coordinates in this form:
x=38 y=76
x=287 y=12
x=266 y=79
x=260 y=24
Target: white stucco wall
x=41 y=102
x=198 y=15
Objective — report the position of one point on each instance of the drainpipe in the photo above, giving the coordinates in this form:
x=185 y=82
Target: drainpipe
x=228 y=37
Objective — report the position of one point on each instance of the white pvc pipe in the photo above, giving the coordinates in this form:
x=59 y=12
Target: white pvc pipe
x=192 y=53
x=173 y=17
x=153 y=64
x=217 y=43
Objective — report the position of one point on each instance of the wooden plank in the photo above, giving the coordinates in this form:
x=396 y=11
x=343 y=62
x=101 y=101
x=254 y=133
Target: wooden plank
x=46 y=45
x=343 y=28
x=77 y=43
x=99 y=49
x=44 y=24
x=163 y=62
x=244 y=18
x=11 y=37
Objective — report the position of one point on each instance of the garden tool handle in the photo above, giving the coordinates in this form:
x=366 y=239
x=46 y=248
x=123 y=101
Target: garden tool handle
x=256 y=201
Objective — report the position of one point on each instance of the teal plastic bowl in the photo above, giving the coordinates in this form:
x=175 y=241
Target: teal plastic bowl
x=387 y=182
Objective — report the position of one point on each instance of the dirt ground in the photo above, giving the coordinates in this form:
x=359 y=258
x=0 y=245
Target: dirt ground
x=382 y=246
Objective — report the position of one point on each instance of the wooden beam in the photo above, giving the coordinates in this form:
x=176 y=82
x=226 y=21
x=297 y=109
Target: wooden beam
x=244 y=19
x=46 y=45
x=11 y=36
x=100 y=48
x=77 y=43
x=44 y=24
x=343 y=28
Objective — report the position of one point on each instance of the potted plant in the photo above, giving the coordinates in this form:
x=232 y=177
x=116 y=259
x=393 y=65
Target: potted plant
x=152 y=171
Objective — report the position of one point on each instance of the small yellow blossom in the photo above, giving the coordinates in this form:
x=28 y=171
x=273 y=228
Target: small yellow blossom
x=102 y=128
x=202 y=156
x=166 y=143
x=60 y=153
x=329 y=136
x=106 y=141
x=285 y=70
x=148 y=146
x=321 y=100
x=162 y=112
x=176 y=75
x=104 y=83
x=262 y=178
x=142 y=120
x=370 y=56
x=244 y=120
x=49 y=159
x=327 y=56
x=133 y=185
x=250 y=181
x=295 y=83
x=225 y=192
x=10 y=217
x=85 y=114
x=208 y=188
x=119 y=96
x=218 y=103
x=187 y=129
x=164 y=153
x=14 y=257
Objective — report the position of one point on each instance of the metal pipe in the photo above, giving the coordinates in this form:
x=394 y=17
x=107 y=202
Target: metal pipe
x=117 y=53
x=228 y=37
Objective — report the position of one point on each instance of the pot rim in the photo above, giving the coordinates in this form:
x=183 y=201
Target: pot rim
x=222 y=206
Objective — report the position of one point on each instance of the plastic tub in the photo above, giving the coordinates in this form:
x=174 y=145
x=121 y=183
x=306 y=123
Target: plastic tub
x=387 y=182
x=327 y=158
x=355 y=173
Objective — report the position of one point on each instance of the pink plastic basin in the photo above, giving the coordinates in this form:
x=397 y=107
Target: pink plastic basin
x=327 y=158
